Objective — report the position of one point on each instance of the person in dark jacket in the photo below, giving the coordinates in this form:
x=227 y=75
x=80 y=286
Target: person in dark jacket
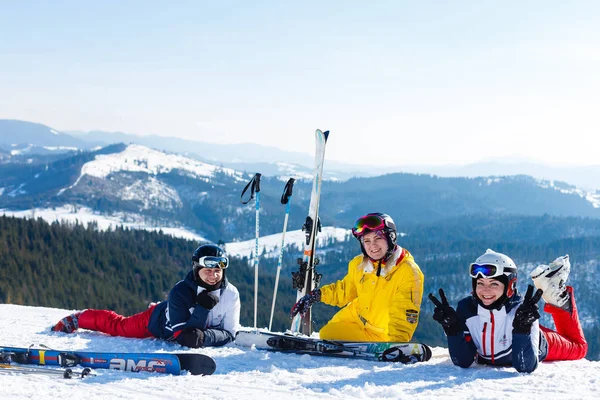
x=496 y=326
x=202 y=310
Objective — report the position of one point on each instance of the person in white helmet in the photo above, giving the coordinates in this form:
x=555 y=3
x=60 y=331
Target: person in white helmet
x=496 y=326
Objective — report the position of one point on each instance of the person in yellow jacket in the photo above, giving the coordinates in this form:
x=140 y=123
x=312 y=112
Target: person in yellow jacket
x=381 y=294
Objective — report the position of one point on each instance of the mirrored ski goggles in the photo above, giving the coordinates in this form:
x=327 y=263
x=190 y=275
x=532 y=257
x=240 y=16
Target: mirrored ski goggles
x=213 y=262
x=368 y=222
x=486 y=271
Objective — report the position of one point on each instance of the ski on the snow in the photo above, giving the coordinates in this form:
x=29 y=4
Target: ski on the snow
x=306 y=278
x=404 y=352
x=67 y=373
x=8 y=360
x=167 y=363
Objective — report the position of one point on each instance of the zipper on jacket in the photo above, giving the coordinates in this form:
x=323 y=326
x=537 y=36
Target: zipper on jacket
x=492 y=336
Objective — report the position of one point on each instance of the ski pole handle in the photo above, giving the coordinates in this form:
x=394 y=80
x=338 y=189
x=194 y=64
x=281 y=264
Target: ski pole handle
x=254 y=186
x=287 y=191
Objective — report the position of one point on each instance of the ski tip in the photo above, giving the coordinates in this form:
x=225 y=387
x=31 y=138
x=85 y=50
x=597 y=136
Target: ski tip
x=325 y=134
x=197 y=364
x=426 y=352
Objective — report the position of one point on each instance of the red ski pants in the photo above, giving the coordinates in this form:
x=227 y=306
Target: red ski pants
x=567 y=342
x=114 y=324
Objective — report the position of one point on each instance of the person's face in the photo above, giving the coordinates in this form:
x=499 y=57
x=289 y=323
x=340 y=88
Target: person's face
x=488 y=290
x=211 y=276
x=375 y=245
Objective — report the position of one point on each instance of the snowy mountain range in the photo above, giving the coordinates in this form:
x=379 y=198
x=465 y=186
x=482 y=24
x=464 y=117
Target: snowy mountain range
x=21 y=137
x=140 y=185
x=244 y=373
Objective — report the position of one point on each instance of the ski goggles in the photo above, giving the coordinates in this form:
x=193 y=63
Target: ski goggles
x=213 y=262
x=368 y=222
x=489 y=271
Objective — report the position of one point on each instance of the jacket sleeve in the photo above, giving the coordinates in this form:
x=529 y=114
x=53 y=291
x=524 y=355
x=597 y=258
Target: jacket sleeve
x=525 y=349
x=179 y=309
x=231 y=321
x=225 y=332
x=461 y=347
x=343 y=291
x=406 y=304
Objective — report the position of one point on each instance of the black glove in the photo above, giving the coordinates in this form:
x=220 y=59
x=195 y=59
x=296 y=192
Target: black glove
x=207 y=299
x=193 y=338
x=303 y=305
x=528 y=312
x=446 y=316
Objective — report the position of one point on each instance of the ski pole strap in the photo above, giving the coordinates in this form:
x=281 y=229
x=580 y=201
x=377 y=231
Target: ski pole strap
x=287 y=191
x=254 y=186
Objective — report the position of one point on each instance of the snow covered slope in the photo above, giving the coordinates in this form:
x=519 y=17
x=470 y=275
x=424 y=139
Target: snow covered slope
x=245 y=373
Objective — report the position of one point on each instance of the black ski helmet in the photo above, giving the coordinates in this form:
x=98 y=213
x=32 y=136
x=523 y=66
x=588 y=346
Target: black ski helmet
x=207 y=250
x=374 y=222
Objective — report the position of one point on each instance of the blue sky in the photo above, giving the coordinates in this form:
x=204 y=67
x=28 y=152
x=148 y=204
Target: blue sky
x=396 y=82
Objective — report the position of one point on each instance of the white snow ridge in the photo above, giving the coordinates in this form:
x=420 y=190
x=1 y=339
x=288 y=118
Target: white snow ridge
x=257 y=374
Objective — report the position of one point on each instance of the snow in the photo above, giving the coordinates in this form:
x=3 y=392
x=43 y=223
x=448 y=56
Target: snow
x=84 y=215
x=136 y=158
x=153 y=193
x=271 y=244
x=244 y=373
x=58 y=148
x=592 y=197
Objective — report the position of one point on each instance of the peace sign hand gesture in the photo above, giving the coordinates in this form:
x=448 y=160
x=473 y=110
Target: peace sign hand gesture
x=528 y=311
x=445 y=315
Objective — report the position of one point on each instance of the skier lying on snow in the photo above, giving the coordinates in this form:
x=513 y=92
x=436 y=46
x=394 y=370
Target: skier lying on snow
x=381 y=294
x=202 y=310
x=496 y=326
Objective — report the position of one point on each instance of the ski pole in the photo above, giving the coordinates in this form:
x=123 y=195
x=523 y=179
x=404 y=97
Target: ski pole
x=285 y=199
x=254 y=186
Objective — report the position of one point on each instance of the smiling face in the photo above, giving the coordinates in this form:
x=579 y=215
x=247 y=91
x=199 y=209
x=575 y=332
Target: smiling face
x=375 y=244
x=488 y=290
x=211 y=276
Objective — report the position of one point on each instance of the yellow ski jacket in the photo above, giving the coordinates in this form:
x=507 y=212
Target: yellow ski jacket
x=387 y=305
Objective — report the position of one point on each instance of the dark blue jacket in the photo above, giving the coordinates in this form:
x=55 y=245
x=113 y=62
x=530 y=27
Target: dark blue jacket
x=180 y=312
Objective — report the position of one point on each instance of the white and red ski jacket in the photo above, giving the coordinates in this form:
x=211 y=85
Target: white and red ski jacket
x=488 y=337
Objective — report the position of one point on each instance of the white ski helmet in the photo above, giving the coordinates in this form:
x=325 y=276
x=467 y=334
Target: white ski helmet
x=497 y=266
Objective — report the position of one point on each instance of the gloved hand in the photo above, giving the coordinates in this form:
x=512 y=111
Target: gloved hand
x=528 y=312
x=207 y=299
x=303 y=305
x=193 y=338
x=446 y=316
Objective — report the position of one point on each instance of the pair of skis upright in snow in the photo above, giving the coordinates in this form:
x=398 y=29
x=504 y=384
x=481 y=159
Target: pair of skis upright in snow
x=306 y=278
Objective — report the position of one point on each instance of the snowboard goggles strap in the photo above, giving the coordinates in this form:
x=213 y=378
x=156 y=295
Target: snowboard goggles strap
x=368 y=222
